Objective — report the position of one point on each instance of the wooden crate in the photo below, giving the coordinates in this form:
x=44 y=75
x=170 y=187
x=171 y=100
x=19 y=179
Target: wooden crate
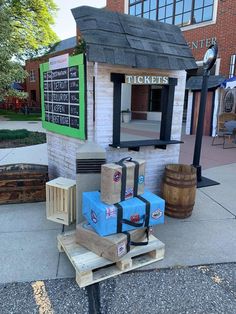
x=91 y=268
x=61 y=200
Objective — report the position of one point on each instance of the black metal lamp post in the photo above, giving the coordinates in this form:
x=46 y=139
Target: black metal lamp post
x=208 y=62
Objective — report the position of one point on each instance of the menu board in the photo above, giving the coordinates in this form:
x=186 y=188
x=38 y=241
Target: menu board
x=63 y=99
x=61 y=96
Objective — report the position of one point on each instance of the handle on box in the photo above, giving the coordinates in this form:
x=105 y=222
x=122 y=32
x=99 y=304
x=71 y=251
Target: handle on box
x=123 y=177
x=141 y=243
x=129 y=243
x=124 y=159
x=131 y=223
x=136 y=176
x=121 y=220
x=138 y=243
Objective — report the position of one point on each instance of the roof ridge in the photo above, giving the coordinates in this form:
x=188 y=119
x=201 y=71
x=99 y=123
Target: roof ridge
x=135 y=42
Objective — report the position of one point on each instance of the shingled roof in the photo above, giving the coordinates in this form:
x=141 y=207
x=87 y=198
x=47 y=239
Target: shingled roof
x=122 y=39
x=64 y=45
x=195 y=82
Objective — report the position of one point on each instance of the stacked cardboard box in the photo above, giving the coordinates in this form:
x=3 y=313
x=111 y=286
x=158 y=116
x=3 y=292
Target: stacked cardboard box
x=112 y=247
x=119 y=217
x=122 y=180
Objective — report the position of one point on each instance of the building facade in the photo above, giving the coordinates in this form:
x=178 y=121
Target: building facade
x=203 y=22
x=32 y=83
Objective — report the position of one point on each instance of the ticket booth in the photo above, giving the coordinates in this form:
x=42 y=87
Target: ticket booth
x=130 y=66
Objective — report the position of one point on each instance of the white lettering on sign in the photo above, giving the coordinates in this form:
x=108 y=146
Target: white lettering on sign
x=128 y=79
x=202 y=43
x=140 y=79
x=146 y=79
x=59 y=62
x=165 y=80
x=154 y=80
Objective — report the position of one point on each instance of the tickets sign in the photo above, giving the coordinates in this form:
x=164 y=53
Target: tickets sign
x=146 y=79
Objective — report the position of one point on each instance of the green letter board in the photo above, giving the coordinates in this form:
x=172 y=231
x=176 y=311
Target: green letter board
x=63 y=98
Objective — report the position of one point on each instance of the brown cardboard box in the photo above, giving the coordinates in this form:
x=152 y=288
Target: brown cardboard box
x=113 y=175
x=112 y=247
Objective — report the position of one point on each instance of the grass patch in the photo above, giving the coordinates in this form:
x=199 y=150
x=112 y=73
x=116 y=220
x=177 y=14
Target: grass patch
x=19 y=138
x=19 y=116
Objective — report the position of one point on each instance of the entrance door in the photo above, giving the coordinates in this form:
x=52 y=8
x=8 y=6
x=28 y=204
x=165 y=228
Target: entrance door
x=208 y=113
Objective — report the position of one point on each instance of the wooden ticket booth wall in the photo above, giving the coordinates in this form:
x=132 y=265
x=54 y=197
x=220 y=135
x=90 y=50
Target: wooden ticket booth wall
x=116 y=46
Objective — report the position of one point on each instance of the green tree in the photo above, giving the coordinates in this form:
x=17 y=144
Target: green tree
x=25 y=30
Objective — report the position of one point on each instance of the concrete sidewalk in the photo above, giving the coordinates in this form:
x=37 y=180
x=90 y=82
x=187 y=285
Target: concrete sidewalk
x=28 y=125
x=28 y=240
x=29 y=245
x=36 y=154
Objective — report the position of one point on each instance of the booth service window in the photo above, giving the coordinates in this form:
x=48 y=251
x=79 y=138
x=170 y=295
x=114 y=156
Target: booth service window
x=181 y=13
x=142 y=110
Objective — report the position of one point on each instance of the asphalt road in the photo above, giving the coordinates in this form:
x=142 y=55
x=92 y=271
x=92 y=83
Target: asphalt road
x=204 y=289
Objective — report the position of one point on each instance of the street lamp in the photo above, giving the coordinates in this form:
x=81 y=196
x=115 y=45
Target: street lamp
x=208 y=62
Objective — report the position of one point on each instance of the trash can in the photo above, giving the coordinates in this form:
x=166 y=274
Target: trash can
x=179 y=190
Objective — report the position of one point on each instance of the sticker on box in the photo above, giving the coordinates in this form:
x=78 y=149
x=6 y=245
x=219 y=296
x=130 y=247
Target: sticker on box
x=117 y=176
x=157 y=214
x=94 y=217
x=111 y=212
x=121 y=249
x=135 y=218
x=140 y=179
x=129 y=193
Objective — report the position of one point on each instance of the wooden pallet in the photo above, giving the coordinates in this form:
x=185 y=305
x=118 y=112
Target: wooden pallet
x=91 y=268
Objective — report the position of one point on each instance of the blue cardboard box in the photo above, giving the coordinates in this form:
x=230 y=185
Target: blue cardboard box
x=138 y=212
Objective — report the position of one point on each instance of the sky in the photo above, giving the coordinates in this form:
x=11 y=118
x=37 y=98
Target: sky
x=65 y=23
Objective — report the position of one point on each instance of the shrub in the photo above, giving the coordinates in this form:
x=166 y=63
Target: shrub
x=13 y=134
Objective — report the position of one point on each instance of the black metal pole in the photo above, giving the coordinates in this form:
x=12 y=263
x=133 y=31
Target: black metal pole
x=200 y=125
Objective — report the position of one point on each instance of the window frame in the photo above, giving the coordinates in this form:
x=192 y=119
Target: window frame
x=167 y=105
x=174 y=15
x=32 y=76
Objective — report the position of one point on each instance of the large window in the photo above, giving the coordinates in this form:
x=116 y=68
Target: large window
x=178 y=12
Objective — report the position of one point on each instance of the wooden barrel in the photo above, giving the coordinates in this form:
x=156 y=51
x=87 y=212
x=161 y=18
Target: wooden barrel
x=22 y=183
x=179 y=190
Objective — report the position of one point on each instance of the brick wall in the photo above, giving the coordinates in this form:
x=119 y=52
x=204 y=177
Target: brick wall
x=34 y=64
x=116 y=5
x=62 y=150
x=224 y=32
